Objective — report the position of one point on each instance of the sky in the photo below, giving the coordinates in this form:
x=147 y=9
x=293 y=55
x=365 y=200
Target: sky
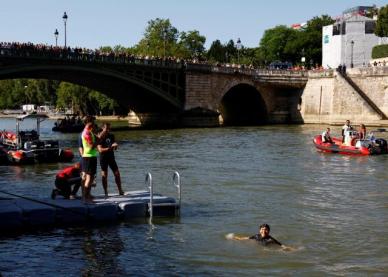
x=95 y=23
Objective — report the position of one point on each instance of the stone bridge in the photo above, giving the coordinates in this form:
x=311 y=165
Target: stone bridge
x=163 y=93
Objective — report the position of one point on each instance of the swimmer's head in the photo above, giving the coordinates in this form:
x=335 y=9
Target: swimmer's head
x=265 y=226
x=264 y=230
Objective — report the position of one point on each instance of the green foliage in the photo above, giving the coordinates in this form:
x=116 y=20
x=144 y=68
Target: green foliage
x=217 y=52
x=274 y=42
x=15 y=93
x=286 y=44
x=83 y=100
x=160 y=38
x=382 y=22
x=380 y=51
x=191 y=44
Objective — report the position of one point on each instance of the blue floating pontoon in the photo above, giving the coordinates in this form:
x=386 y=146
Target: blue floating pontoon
x=25 y=213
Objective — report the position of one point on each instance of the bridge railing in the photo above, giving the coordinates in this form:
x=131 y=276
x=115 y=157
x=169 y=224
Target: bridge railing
x=64 y=55
x=259 y=71
x=207 y=68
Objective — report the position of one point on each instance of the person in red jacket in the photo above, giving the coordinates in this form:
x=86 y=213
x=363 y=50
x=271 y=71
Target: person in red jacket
x=66 y=179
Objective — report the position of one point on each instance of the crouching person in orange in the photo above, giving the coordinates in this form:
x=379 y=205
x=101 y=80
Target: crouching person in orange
x=68 y=182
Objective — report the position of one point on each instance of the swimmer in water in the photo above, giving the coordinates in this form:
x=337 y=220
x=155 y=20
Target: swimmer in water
x=262 y=237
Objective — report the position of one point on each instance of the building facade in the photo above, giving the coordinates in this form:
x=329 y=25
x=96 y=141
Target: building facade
x=349 y=41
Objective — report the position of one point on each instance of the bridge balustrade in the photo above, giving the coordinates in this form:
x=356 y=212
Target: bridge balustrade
x=62 y=54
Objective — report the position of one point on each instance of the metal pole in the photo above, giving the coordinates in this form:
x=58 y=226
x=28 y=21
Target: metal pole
x=64 y=21
x=177 y=182
x=351 y=61
x=148 y=181
x=164 y=43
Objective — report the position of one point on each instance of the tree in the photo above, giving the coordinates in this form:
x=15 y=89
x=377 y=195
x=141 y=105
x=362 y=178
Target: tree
x=216 y=52
x=191 y=44
x=160 y=38
x=286 y=44
x=382 y=22
x=274 y=41
x=313 y=37
x=74 y=97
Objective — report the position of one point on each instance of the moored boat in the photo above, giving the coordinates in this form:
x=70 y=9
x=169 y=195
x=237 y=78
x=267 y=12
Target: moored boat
x=69 y=125
x=25 y=147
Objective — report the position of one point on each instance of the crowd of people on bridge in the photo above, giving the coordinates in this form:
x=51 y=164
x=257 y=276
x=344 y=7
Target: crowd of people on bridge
x=88 y=55
x=82 y=54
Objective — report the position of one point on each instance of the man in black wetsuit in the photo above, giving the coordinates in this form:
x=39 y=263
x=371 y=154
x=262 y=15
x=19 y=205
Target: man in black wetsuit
x=262 y=237
x=106 y=146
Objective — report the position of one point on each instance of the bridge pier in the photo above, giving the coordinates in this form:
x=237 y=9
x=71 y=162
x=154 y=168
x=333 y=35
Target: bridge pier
x=197 y=117
x=158 y=120
x=200 y=117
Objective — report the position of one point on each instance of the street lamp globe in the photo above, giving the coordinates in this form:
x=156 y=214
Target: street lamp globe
x=64 y=17
x=238 y=45
x=56 y=37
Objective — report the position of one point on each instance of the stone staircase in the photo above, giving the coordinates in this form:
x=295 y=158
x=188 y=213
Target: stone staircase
x=363 y=95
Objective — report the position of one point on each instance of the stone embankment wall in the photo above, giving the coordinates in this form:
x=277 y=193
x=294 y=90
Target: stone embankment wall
x=329 y=99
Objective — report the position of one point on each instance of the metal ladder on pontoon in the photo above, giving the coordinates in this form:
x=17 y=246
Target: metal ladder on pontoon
x=176 y=180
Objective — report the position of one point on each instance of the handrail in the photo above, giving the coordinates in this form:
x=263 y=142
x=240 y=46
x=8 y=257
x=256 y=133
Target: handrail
x=176 y=179
x=148 y=182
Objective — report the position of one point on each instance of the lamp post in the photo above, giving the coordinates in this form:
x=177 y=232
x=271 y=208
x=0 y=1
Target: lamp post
x=56 y=37
x=303 y=59
x=351 y=57
x=238 y=45
x=64 y=21
x=164 y=42
x=193 y=49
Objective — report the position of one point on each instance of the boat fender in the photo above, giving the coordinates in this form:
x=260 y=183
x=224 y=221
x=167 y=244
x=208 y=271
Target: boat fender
x=66 y=155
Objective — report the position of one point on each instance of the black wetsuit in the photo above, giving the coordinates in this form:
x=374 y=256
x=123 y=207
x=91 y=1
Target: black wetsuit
x=107 y=158
x=265 y=241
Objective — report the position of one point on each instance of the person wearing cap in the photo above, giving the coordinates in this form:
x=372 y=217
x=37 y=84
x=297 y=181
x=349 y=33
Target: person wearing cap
x=65 y=180
x=262 y=237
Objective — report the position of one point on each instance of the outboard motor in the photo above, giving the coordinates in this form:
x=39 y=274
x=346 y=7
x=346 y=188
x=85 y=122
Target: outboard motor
x=382 y=143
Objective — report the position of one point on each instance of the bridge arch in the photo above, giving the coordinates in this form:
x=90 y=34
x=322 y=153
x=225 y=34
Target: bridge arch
x=127 y=90
x=243 y=105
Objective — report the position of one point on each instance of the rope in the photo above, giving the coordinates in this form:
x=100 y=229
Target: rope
x=44 y=203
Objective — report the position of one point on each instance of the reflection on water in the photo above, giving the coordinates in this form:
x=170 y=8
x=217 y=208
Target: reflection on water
x=102 y=248
x=330 y=208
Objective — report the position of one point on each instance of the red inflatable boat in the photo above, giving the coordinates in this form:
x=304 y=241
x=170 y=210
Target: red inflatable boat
x=358 y=147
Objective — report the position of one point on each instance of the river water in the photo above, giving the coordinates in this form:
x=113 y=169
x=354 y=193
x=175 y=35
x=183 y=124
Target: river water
x=332 y=210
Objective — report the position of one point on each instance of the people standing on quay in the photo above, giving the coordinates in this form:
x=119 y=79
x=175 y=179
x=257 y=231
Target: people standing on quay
x=106 y=147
